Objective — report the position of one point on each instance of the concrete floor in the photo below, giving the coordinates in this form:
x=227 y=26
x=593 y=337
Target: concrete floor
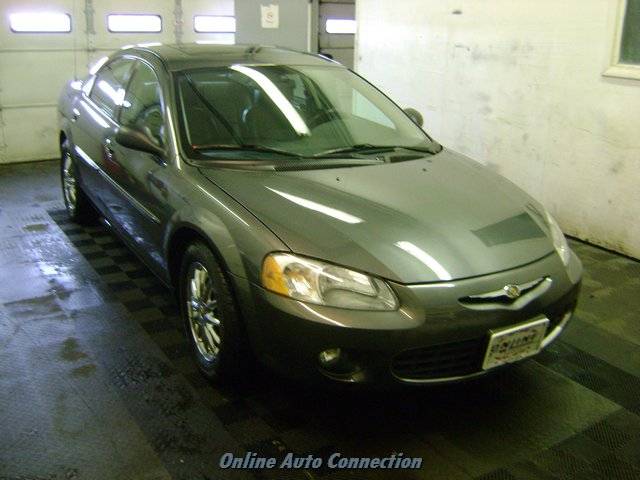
x=96 y=383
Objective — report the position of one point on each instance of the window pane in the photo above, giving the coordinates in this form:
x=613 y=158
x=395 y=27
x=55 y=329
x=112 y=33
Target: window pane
x=214 y=24
x=301 y=109
x=630 y=44
x=362 y=107
x=134 y=23
x=142 y=106
x=40 y=22
x=340 y=25
x=212 y=108
x=108 y=90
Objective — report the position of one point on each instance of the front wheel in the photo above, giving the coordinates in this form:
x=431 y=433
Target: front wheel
x=211 y=319
x=76 y=202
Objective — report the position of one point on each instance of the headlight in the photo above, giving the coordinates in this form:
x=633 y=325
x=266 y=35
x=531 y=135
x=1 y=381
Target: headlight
x=324 y=284
x=559 y=242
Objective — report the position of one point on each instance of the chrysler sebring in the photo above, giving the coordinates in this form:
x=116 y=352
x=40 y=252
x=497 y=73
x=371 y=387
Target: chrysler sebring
x=305 y=220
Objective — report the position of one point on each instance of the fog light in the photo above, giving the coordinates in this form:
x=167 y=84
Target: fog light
x=329 y=356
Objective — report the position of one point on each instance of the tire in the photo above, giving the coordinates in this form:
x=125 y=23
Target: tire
x=209 y=313
x=78 y=206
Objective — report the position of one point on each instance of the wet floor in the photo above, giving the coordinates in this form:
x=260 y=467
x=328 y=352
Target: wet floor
x=96 y=383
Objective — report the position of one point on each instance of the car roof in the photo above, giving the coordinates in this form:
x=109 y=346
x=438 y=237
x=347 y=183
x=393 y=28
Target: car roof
x=193 y=55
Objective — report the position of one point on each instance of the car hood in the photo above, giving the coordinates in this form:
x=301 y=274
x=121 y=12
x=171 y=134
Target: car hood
x=437 y=218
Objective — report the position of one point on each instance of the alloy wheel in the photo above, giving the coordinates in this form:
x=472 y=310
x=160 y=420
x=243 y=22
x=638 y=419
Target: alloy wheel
x=203 y=311
x=69 y=183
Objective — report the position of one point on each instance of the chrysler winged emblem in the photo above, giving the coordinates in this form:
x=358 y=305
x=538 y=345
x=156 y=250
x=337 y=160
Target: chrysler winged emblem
x=527 y=290
x=512 y=291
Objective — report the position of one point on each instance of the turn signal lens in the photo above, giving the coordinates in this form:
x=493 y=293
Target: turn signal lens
x=272 y=277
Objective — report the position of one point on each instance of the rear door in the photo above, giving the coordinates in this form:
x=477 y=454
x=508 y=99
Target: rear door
x=93 y=121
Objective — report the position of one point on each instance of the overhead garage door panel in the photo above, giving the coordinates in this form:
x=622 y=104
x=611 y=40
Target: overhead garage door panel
x=34 y=78
x=104 y=39
x=30 y=133
x=35 y=66
x=338 y=45
x=33 y=69
x=51 y=41
x=206 y=7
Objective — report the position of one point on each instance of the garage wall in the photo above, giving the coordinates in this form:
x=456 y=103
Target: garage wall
x=35 y=66
x=518 y=86
x=296 y=23
x=338 y=45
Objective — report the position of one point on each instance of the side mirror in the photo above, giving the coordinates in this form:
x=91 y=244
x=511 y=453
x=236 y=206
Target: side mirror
x=415 y=116
x=138 y=140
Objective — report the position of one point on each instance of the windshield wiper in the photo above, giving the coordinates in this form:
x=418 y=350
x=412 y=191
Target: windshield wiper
x=246 y=148
x=325 y=163
x=360 y=147
x=369 y=148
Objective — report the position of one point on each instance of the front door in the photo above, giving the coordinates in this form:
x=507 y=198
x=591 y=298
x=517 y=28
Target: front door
x=141 y=176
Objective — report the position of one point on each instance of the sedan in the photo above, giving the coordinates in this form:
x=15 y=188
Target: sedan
x=304 y=220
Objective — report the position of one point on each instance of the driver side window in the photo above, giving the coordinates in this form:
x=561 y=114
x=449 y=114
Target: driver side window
x=142 y=105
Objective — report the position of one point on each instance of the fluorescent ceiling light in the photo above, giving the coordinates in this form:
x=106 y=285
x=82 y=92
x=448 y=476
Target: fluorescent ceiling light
x=116 y=95
x=214 y=24
x=425 y=258
x=340 y=25
x=98 y=65
x=276 y=97
x=95 y=115
x=40 y=22
x=318 y=207
x=134 y=23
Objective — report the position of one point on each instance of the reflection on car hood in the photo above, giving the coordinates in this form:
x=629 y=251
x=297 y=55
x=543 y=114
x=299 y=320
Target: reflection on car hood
x=434 y=219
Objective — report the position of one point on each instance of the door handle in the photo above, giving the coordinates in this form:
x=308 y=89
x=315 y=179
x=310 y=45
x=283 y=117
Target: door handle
x=76 y=115
x=108 y=151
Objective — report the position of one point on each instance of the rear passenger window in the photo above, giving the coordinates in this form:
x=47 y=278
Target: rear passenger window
x=108 y=88
x=142 y=106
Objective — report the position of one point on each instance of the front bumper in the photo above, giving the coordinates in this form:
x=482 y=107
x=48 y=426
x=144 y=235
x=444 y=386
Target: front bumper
x=432 y=325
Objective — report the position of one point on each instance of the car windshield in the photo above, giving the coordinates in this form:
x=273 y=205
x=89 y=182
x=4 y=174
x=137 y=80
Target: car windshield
x=289 y=111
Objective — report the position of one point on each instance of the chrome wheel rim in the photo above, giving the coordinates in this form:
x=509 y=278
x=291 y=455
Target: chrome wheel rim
x=203 y=312
x=69 y=183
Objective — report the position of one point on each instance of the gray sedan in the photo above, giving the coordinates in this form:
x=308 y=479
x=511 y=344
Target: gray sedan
x=304 y=220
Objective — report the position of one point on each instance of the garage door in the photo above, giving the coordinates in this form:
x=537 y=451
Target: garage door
x=336 y=30
x=35 y=62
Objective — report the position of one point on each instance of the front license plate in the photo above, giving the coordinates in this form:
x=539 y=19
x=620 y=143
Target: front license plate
x=514 y=343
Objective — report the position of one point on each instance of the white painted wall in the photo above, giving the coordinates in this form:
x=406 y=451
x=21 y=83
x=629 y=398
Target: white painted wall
x=35 y=66
x=517 y=85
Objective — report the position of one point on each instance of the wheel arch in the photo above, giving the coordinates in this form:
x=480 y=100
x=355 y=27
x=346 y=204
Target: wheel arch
x=179 y=240
x=64 y=135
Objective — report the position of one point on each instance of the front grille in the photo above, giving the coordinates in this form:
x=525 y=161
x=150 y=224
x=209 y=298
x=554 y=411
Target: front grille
x=440 y=361
x=461 y=358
